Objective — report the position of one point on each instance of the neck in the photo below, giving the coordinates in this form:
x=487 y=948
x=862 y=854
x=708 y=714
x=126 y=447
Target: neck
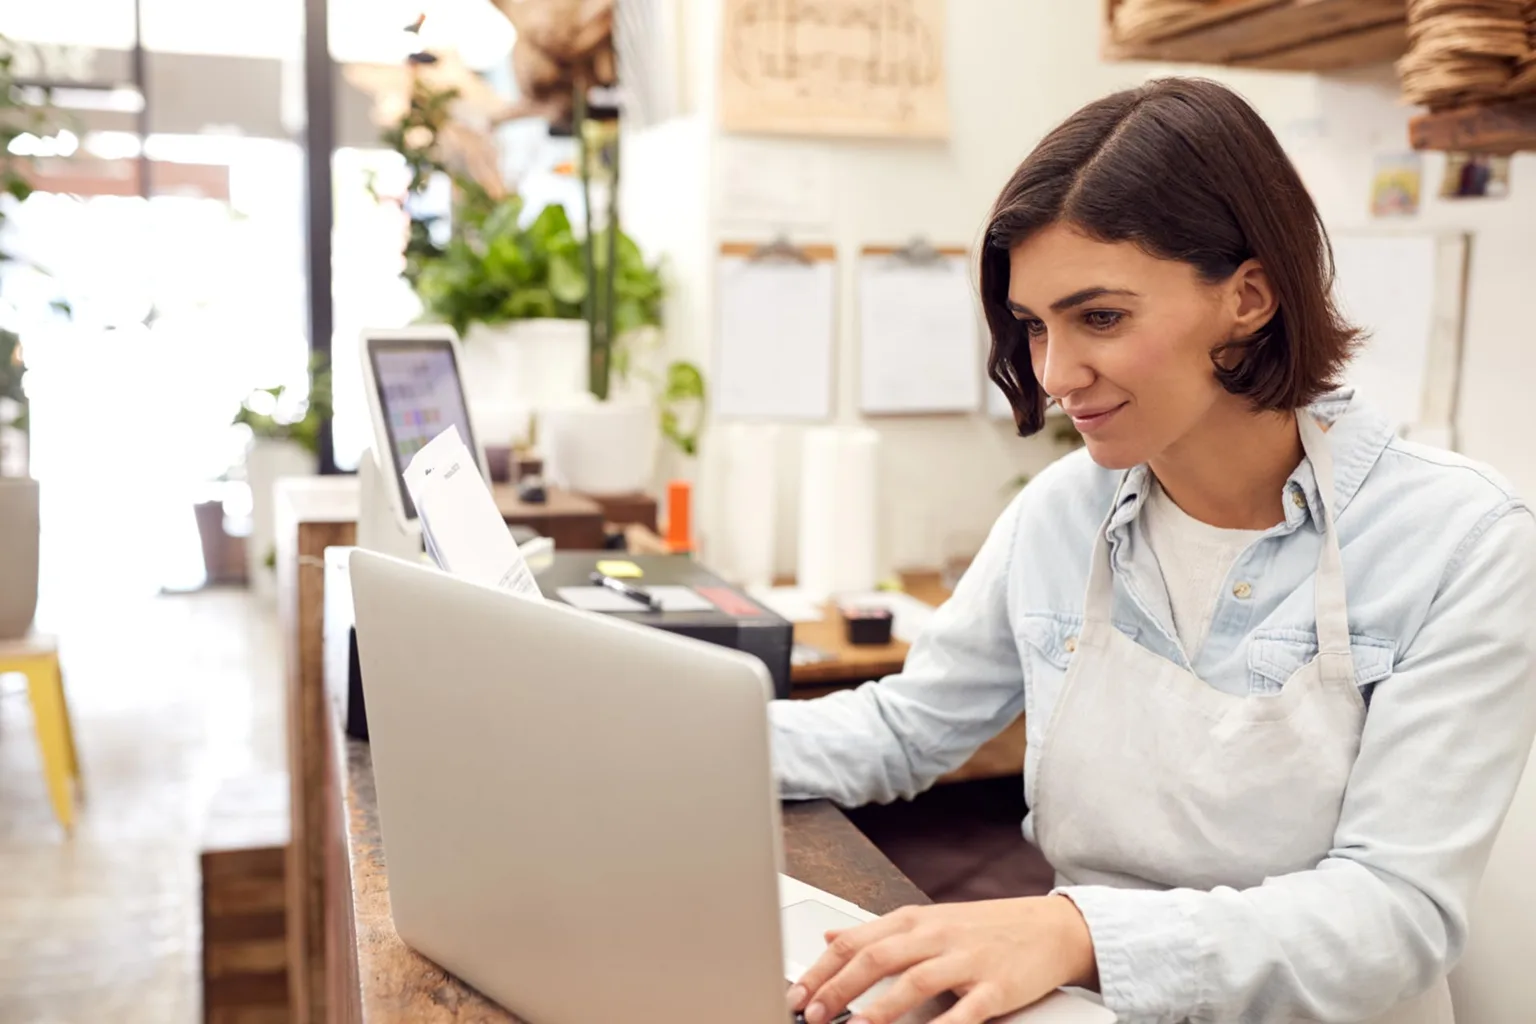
x=1230 y=471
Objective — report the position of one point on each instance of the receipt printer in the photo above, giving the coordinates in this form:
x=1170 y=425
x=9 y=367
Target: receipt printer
x=716 y=612
x=719 y=614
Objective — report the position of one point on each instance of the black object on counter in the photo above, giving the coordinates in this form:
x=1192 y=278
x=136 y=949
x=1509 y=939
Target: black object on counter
x=868 y=626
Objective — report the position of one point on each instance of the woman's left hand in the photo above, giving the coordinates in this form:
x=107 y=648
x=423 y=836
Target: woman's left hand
x=997 y=955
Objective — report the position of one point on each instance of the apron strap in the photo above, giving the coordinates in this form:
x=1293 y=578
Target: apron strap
x=1332 y=607
x=1100 y=599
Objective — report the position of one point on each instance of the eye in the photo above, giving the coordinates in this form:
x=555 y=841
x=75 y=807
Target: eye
x=1033 y=328
x=1103 y=319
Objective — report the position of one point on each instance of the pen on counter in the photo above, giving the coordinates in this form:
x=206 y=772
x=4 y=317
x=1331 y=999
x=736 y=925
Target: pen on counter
x=620 y=587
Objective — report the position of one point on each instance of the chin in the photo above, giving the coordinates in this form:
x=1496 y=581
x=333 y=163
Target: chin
x=1114 y=453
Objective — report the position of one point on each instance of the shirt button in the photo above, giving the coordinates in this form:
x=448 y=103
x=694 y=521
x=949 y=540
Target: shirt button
x=1298 y=499
x=1242 y=591
x=1071 y=644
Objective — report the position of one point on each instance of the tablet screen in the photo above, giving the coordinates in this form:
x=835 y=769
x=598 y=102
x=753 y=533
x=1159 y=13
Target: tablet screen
x=420 y=395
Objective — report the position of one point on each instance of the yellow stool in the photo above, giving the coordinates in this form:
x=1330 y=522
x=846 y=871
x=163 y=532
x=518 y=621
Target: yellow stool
x=37 y=658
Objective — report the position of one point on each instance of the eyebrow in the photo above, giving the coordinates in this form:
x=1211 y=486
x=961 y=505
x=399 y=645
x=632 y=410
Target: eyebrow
x=1077 y=298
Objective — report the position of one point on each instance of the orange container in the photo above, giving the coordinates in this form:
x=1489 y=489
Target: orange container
x=679 y=522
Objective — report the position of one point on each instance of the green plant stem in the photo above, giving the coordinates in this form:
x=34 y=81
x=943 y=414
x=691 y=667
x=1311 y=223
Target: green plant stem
x=597 y=382
x=610 y=273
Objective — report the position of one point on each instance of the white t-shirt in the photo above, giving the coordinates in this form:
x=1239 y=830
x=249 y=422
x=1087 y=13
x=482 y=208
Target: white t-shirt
x=1195 y=558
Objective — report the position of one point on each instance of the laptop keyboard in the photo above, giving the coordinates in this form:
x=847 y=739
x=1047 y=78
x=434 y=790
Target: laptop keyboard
x=842 y=1018
x=799 y=1018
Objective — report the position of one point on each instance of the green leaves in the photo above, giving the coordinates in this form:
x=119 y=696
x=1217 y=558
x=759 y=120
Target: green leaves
x=683 y=400
x=496 y=270
x=551 y=230
x=305 y=430
x=567 y=283
x=497 y=266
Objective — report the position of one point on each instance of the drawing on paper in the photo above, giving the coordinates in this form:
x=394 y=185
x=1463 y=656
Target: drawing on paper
x=835 y=67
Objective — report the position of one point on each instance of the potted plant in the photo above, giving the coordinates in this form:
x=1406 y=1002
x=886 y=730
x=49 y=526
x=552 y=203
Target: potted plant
x=520 y=294
x=608 y=444
x=19 y=533
x=502 y=283
x=19 y=497
x=284 y=442
x=513 y=291
x=556 y=323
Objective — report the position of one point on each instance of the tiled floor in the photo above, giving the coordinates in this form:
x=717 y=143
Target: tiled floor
x=170 y=695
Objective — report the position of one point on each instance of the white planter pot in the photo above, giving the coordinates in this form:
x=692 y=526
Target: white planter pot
x=600 y=448
x=266 y=462
x=18 y=555
x=511 y=369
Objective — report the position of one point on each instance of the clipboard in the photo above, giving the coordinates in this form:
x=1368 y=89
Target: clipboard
x=775 y=330
x=919 y=331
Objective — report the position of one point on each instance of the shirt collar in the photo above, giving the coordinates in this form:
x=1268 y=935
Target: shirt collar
x=1357 y=433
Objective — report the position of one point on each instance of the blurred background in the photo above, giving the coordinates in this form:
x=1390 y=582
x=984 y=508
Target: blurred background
x=749 y=225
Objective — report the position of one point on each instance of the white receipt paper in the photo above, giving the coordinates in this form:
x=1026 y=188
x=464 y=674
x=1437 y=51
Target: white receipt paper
x=462 y=528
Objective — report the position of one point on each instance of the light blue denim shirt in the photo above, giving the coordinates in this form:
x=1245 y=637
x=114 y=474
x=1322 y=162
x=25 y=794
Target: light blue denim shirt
x=1440 y=564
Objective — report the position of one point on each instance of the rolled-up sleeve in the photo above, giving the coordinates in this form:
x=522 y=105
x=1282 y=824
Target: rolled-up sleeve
x=962 y=684
x=1384 y=915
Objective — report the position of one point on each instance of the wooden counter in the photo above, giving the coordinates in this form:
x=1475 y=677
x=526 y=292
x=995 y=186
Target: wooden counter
x=385 y=981
x=312 y=514
x=316 y=513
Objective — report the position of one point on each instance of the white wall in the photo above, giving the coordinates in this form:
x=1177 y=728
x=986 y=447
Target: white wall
x=1015 y=70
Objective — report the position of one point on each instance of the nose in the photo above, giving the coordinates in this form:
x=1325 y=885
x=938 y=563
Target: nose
x=1060 y=368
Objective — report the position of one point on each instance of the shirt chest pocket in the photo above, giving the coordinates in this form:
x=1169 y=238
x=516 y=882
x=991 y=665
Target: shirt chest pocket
x=1274 y=655
x=1047 y=641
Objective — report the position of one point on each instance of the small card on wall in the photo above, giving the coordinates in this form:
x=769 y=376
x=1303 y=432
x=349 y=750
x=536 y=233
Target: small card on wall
x=1396 y=185
x=1475 y=176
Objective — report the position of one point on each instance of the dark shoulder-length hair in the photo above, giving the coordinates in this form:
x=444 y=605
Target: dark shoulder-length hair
x=1188 y=171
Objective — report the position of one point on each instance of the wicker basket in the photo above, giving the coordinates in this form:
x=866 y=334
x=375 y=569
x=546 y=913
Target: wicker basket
x=1136 y=20
x=1524 y=81
x=1466 y=51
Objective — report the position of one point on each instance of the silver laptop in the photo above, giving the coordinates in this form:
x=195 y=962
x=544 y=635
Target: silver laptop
x=578 y=812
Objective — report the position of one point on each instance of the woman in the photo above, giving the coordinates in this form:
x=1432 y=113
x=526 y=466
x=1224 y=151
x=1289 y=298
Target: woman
x=1276 y=664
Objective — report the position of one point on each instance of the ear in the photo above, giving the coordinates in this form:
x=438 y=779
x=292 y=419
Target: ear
x=1253 y=298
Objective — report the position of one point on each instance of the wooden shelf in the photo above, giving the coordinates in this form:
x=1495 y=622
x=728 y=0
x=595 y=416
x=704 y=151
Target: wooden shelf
x=1286 y=35
x=1495 y=128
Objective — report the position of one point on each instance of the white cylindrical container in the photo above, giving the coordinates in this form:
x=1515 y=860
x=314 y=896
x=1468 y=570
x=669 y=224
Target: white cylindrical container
x=838 y=519
x=749 y=462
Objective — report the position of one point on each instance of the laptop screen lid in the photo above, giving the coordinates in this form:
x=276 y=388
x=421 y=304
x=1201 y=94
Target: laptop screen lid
x=572 y=807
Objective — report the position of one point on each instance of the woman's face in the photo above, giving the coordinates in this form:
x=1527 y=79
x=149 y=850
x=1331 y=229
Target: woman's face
x=1122 y=340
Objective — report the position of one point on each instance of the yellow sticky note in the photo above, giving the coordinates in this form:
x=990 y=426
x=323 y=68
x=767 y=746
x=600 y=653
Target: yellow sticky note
x=620 y=570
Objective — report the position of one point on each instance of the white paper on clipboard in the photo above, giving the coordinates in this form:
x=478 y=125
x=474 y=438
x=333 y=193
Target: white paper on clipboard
x=773 y=357
x=919 y=337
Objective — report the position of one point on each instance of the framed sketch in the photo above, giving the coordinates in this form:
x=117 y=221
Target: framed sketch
x=850 y=68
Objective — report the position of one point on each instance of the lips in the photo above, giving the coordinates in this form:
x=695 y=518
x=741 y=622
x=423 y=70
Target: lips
x=1089 y=420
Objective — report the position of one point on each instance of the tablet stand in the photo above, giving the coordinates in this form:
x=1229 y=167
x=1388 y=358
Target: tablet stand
x=378 y=524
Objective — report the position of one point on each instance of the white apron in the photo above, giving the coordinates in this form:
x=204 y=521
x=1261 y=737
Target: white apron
x=1147 y=774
